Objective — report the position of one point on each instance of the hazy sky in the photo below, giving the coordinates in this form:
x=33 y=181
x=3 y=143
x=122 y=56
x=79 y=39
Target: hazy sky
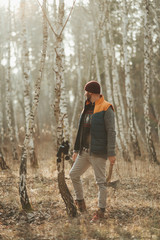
x=15 y=3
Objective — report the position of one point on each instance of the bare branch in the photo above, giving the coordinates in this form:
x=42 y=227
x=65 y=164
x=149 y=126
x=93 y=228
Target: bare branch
x=67 y=18
x=47 y=19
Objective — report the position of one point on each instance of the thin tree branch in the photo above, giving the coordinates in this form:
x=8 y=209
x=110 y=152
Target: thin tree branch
x=47 y=19
x=67 y=18
x=50 y=23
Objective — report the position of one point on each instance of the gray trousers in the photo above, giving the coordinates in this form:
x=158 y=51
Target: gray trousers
x=81 y=164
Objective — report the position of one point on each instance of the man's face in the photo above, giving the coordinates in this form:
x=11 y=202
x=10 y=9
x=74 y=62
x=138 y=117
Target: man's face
x=88 y=95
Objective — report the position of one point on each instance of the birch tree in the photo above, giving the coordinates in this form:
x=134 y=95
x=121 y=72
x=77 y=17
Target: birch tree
x=120 y=113
x=26 y=76
x=3 y=164
x=59 y=71
x=155 y=47
x=60 y=96
x=23 y=166
x=106 y=56
x=96 y=57
x=150 y=145
x=78 y=97
x=103 y=30
x=128 y=88
x=60 y=110
x=8 y=90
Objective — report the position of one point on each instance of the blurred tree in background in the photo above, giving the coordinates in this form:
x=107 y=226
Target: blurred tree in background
x=103 y=41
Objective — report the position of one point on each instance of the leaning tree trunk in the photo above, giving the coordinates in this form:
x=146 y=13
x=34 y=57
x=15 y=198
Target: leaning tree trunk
x=8 y=92
x=150 y=145
x=26 y=74
x=23 y=167
x=129 y=95
x=60 y=111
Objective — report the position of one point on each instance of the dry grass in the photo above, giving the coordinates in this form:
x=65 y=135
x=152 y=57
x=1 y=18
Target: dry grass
x=133 y=210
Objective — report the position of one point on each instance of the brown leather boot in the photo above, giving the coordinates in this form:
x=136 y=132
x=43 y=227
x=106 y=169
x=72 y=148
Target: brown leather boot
x=98 y=215
x=81 y=205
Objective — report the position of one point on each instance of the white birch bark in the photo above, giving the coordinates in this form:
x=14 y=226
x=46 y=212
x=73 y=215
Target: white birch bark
x=78 y=100
x=142 y=139
x=106 y=56
x=64 y=112
x=96 y=58
x=152 y=9
x=103 y=30
x=73 y=121
x=95 y=39
x=129 y=95
x=8 y=91
x=23 y=167
x=3 y=164
x=26 y=75
x=117 y=96
x=150 y=145
x=92 y=67
x=51 y=83
x=60 y=109
x=155 y=44
x=106 y=70
x=16 y=123
x=51 y=97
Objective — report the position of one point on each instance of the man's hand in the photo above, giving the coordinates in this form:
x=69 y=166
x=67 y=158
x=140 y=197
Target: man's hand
x=74 y=156
x=112 y=159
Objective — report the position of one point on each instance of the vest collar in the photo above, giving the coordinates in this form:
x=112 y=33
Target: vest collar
x=99 y=101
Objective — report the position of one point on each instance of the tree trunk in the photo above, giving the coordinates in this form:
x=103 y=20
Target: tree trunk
x=60 y=108
x=3 y=164
x=154 y=63
x=60 y=111
x=96 y=58
x=128 y=88
x=103 y=30
x=78 y=98
x=23 y=167
x=150 y=145
x=8 y=93
x=117 y=97
x=27 y=102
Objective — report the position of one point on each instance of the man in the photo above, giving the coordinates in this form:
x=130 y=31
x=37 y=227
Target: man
x=95 y=142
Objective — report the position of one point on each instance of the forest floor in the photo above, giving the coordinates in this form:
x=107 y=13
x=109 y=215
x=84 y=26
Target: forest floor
x=133 y=208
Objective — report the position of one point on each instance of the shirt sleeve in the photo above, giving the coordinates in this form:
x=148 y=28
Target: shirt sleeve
x=109 y=119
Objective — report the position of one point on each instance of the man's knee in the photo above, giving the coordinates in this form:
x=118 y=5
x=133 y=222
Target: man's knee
x=72 y=174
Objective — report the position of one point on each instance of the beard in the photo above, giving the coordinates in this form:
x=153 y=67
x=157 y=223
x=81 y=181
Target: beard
x=88 y=96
